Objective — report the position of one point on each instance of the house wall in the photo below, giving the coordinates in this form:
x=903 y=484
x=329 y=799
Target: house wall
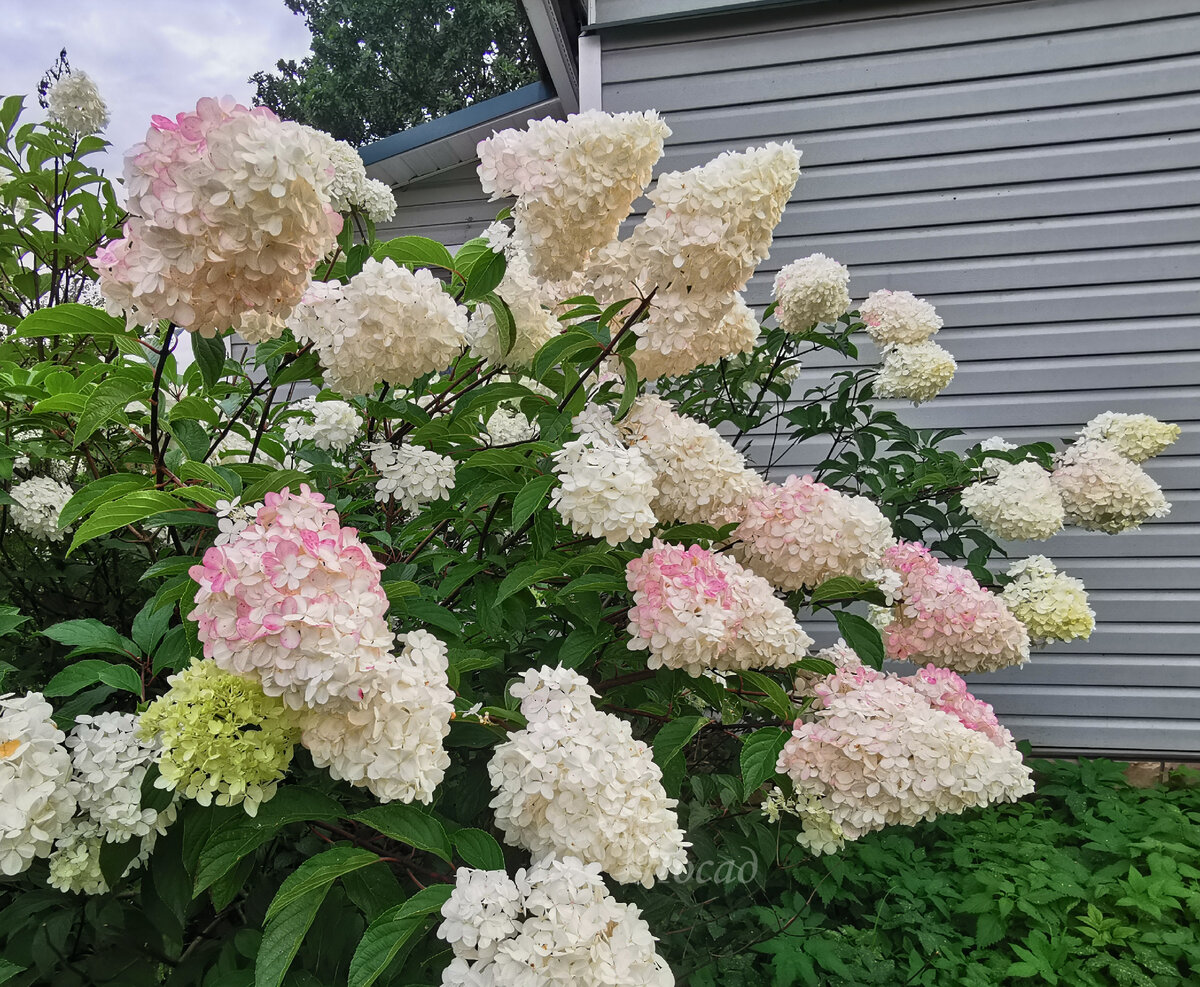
x=1031 y=167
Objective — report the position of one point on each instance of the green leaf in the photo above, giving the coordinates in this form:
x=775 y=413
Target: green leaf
x=480 y=268
x=105 y=402
x=760 y=754
x=90 y=671
x=283 y=935
x=577 y=647
x=68 y=319
x=530 y=498
x=98 y=491
x=323 y=869
x=9 y=970
x=115 y=859
x=272 y=483
x=131 y=508
x=10 y=619
x=862 y=636
x=149 y=626
x=385 y=936
x=478 y=849
x=506 y=328
x=776 y=698
x=670 y=741
x=840 y=587
x=410 y=825
x=68 y=402
x=399 y=589
x=415 y=251
x=91 y=634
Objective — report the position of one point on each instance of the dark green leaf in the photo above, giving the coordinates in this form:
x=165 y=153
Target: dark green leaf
x=323 y=869
x=760 y=753
x=410 y=825
x=390 y=931
x=863 y=638
x=530 y=498
x=478 y=849
x=210 y=357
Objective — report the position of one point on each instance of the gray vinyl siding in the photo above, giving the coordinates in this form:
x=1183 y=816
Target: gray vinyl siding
x=450 y=208
x=1030 y=167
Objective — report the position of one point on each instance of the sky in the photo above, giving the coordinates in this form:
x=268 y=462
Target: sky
x=146 y=56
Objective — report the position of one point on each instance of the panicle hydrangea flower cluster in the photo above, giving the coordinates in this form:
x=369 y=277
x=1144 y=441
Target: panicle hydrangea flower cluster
x=879 y=751
x=75 y=102
x=946 y=691
x=801 y=533
x=35 y=768
x=697 y=610
x=574 y=179
x=1052 y=605
x=605 y=489
x=327 y=424
x=894 y=317
x=820 y=833
x=945 y=616
x=390 y=740
x=388 y=325
x=529 y=302
x=1101 y=490
x=506 y=427
x=411 y=475
x=811 y=290
x=37 y=503
x=576 y=782
x=1020 y=503
x=707 y=230
x=915 y=372
x=701 y=478
x=229 y=211
x=1136 y=437
x=554 y=925
x=223 y=741
x=294 y=601
x=350 y=188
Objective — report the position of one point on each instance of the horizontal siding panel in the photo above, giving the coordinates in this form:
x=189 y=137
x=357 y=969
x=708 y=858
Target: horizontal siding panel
x=1095 y=670
x=1171 y=703
x=1142 y=735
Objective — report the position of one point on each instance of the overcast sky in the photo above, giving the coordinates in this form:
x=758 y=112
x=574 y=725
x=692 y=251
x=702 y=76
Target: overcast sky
x=147 y=56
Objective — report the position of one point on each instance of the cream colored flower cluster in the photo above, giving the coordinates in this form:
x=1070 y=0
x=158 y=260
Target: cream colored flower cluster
x=229 y=212
x=605 y=489
x=350 y=188
x=811 y=290
x=898 y=317
x=701 y=478
x=506 y=427
x=387 y=325
x=698 y=610
x=1101 y=490
x=35 y=769
x=554 y=925
x=1052 y=605
x=1136 y=437
x=707 y=230
x=575 y=782
x=820 y=832
x=878 y=752
x=411 y=475
x=574 y=179
x=37 y=503
x=1020 y=503
x=915 y=372
x=327 y=424
x=534 y=324
x=801 y=533
x=75 y=102
x=390 y=742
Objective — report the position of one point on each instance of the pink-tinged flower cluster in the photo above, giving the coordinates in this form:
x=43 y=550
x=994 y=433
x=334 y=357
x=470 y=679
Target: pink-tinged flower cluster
x=294 y=600
x=229 y=212
x=879 y=750
x=945 y=616
x=895 y=317
x=801 y=533
x=1102 y=490
x=697 y=610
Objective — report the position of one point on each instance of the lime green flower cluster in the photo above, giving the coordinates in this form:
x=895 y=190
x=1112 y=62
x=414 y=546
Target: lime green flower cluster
x=1052 y=605
x=223 y=740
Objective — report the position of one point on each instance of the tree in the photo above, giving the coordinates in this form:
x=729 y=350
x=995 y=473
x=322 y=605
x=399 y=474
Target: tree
x=381 y=66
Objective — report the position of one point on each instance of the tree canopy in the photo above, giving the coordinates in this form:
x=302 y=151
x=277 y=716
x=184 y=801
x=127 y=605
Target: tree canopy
x=380 y=66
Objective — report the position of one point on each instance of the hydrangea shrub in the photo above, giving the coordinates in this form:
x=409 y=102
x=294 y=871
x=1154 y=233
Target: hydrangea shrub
x=464 y=667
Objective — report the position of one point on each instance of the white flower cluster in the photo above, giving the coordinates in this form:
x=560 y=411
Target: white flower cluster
x=37 y=503
x=698 y=610
x=75 y=102
x=1052 y=605
x=1136 y=437
x=821 y=833
x=506 y=427
x=574 y=179
x=877 y=752
x=701 y=478
x=327 y=424
x=707 y=230
x=229 y=212
x=388 y=325
x=534 y=324
x=555 y=925
x=350 y=188
x=1019 y=504
x=811 y=290
x=605 y=490
x=801 y=533
x=575 y=782
x=915 y=372
x=411 y=474
x=1101 y=490
x=898 y=317
x=34 y=770
x=390 y=741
